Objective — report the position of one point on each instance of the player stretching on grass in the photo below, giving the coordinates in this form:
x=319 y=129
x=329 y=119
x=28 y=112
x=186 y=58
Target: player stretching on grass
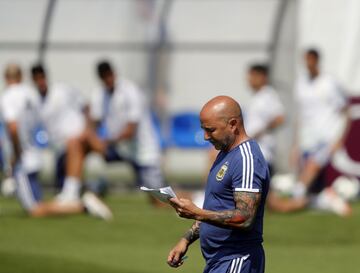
x=62 y=112
x=231 y=222
x=19 y=109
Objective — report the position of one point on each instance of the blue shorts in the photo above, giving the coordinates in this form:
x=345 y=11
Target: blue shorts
x=321 y=154
x=60 y=170
x=27 y=188
x=253 y=262
x=149 y=176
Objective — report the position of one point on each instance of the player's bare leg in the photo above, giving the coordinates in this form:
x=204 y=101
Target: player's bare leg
x=309 y=172
x=93 y=142
x=75 y=155
x=96 y=144
x=45 y=209
x=76 y=151
x=285 y=205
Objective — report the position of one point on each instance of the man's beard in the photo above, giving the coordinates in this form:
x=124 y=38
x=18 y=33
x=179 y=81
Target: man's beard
x=222 y=145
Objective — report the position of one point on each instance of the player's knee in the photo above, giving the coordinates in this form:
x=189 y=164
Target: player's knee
x=74 y=143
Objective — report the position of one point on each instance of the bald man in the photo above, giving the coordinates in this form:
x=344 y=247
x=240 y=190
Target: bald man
x=230 y=225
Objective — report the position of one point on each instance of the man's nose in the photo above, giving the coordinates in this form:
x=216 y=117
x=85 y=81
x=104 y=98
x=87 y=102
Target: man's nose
x=206 y=136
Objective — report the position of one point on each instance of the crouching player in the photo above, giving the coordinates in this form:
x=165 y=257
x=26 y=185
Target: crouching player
x=120 y=107
x=20 y=114
x=62 y=114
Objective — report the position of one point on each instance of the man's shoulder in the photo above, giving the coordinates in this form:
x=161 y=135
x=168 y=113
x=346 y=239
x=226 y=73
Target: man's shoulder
x=126 y=83
x=249 y=165
x=130 y=92
x=271 y=93
x=248 y=151
x=15 y=92
x=267 y=95
x=328 y=80
x=128 y=87
x=250 y=147
x=326 y=77
x=17 y=98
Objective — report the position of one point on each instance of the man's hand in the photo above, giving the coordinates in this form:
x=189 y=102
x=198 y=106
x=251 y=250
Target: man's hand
x=177 y=253
x=185 y=208
x=241 y=217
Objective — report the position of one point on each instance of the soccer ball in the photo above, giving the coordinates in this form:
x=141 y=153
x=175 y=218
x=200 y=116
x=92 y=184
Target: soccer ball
x=347 y=188
x=8 y=187
x=283 y=184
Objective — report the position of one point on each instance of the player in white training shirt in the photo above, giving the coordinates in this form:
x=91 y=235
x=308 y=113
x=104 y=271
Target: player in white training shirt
x=320 y=126
x=264 y=112
x=120 y=108
x=321 y=105
x=262 y=115
x=20 y=111
x=62 y=113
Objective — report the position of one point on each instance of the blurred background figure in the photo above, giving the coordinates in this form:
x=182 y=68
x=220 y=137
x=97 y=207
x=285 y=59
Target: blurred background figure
x=61 y=106
x=121 y=113
x=62 y=112
x=321 y=120
x=264 y=113
x=321 y=123
x=20 y=111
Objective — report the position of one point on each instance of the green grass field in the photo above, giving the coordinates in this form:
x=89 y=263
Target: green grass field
x=139 y=238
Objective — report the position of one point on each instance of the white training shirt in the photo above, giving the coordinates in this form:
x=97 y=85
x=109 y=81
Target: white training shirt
x=19 y=104
x=320 y=103
x=128 y=104
x=62 y=114
x=264 y=106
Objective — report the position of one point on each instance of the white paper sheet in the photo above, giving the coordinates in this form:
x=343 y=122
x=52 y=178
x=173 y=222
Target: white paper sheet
x=162 y=194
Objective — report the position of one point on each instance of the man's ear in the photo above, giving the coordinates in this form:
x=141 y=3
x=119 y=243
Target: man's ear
x=233 y=123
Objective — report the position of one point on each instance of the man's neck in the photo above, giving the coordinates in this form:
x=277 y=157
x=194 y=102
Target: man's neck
x=259 y=88
x=238 y=140
x=314 y=74
x=110 y=91
x=44 y=93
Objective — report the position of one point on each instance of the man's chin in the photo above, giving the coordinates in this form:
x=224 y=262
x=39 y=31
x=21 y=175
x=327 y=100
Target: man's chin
x=217 y=146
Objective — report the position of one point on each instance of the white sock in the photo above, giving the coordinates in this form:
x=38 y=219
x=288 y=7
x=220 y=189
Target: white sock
x=329 y=201
x=299 y=190
x=71 y=188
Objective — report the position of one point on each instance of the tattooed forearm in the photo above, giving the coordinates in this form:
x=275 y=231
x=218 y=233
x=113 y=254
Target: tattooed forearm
x=242 y=216
x=193 y=233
